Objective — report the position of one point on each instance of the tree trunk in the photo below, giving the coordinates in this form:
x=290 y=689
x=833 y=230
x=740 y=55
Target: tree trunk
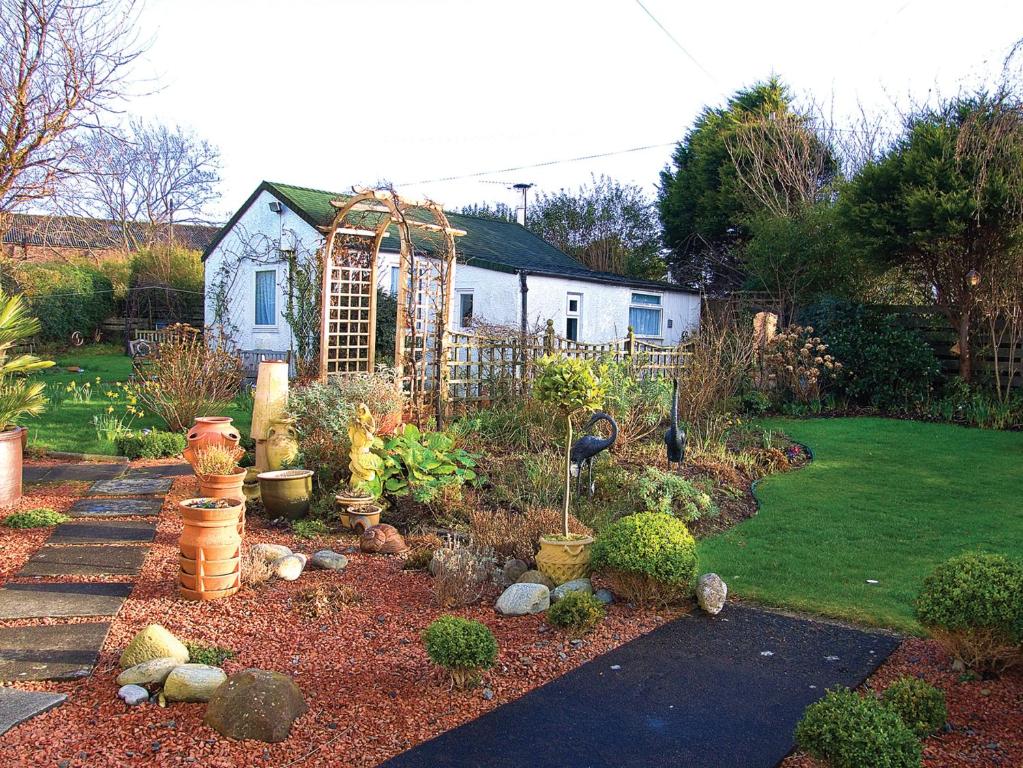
x=965 y=356
x=568 y=476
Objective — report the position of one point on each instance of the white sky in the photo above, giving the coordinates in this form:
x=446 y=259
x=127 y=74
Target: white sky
x=334 y=94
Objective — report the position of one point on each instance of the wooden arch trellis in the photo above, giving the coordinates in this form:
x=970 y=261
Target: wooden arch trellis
x=425 y=286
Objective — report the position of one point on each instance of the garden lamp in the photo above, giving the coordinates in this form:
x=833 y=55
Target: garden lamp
x=973 y=277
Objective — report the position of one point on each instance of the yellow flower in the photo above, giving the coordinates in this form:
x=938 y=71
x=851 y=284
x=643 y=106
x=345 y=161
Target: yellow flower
x=97 y=379
x=110 y=409
x=110 y=393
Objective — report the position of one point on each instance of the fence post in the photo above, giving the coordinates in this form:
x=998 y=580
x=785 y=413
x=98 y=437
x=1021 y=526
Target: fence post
x=548 y=338
x=630 y=345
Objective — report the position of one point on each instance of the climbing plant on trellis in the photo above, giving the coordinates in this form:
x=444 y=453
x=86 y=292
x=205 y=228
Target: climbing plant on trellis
x=425 y=283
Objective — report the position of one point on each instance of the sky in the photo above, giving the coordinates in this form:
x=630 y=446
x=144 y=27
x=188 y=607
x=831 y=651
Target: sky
x=343 y=93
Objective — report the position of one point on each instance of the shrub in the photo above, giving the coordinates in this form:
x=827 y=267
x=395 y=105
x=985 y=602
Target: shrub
x=422 y=464
x=255 y=570
x=577 y=612
x=42 y=517
x=672 y=494
x=517 y=534
x=797 y=367
x=18 y=395
x=638 y=405
x=309 y=529
x=460 y=573
x=211 y=655
x=151 y=444
x=164 y=266
x=214 y=459
x=920 y=705
x=326 y=599
x=66 y=298
x=462 y=647
x=650 y=558
x=973 y=605
x=849 y=731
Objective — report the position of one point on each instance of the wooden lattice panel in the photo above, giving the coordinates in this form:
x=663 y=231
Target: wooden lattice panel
x=349 y=324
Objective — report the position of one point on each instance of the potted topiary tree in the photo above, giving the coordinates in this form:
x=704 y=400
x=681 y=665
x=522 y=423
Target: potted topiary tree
x=572 y=387
x=18 y=397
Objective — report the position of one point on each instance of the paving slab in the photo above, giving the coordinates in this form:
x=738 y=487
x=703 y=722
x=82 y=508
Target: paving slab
x=18 y=706
x=116 y=508
x=162 y=470
x=103 y=532
x=85 y=560
x=699 y=692
x=39 y=601
x=83 y=472
x=126 y=486
x=50 y=652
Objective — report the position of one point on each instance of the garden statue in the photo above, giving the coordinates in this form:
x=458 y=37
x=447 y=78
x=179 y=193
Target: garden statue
x=363 y=462
x=675 y=437
x=588 y=446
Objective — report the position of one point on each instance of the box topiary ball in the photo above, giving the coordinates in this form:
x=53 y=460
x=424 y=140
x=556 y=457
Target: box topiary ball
x=920 y=705
x=461 y=646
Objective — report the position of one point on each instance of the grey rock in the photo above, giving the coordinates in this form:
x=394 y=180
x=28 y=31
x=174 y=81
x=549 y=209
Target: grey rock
x=152 y=672
x=270 y=552
x=193 y=682
x=487 y=694
x=711 y=593
x=524 y=599
x=289 y=568
x=576 y=585
x=328 y=560
x=605 y=596
x=535 y=577
x=513 y=569
x=133 y=695
x=256 y=704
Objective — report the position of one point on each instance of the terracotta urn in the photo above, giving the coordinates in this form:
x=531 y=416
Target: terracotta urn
x=562 y=559
x=211 y=430
x=281 y=443
x=210 y=533
x=11 y=454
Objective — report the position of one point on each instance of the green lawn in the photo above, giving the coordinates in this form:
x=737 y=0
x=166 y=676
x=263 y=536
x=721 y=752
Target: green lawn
x=884 y=500
x=69 y=427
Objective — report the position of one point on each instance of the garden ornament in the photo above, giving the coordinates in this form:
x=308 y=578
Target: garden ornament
x=588 y=446
x=675 y=436
x=363 y=462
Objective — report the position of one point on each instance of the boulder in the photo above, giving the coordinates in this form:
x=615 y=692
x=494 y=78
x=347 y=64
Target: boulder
x=711 y=593
x=535 y=577
x=153 y=642
x=133 y=695
x=152 y=672
x=328 y=560
x=605 y=596
x=193 y=682
x=523 y=599
x=269 y=552
x=382 y=538
x=289 y=567
x=256 y=704
x=513 y=569
x=576 y=585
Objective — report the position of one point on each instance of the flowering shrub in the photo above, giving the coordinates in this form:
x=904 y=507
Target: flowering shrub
x=796 y=366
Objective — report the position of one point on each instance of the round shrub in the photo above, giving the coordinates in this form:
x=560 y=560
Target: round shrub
x=650 y=558
x=920 y=705
x=461 y=646
x=577 y=612
x=154 y=444
x=850 y=731
x=973 y=605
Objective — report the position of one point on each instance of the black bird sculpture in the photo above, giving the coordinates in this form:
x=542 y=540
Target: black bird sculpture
x=588 y=446
x=675 y=436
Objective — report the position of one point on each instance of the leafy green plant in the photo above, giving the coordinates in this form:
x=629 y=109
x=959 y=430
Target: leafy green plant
x=973 y=605
x=66 y=298
x=650 y=558
x=150 y=444
x=212 y=655
x=18 y=396
x=461 y=646
x=672 y=494
x=42 y=517
x=920 y=705
x=637 y=404
x=851 y=731
x=309 y=529
x=421 y=464
x=577 y=612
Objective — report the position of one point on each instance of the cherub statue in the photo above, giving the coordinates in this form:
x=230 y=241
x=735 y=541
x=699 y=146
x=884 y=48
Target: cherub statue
x=363 y=462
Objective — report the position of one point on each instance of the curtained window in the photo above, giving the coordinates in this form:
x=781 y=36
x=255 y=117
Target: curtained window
x=266 y=297
x=645 y=314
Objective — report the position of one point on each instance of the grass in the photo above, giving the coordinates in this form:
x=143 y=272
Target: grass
x=69 y=427
x=885 y=500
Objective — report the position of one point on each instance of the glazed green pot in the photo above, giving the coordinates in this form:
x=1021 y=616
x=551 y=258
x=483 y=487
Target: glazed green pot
x=286 y=492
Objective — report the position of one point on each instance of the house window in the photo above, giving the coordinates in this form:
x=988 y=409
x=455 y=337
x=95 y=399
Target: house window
x=645 y=314
x=573 y=315
x=395 y=275
x=266 y=297
x=465 y=308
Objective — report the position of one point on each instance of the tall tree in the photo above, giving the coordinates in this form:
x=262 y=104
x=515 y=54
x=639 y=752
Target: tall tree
x=496 y=211
x=607 y=225
x=63 y=66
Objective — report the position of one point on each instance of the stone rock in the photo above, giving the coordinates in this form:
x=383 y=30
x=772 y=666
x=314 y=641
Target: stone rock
x=193 y=682
x=535 y=577
x=523 y=599
x=269 y=552
x=289 y=567
x=711 y=593
x=606 y=596
x=328 y=560
x=303 y=558
x=256 y=704
x=576 y=585
x=513 y=569
x=153 y=642
x=382 y=538
x=152 y=672
x=133 y=695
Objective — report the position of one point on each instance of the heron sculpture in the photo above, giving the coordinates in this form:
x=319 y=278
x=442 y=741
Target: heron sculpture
x=588 y=446
x=675 y=436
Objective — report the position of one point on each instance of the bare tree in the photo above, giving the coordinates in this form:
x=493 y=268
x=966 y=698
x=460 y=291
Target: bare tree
x=63 y=66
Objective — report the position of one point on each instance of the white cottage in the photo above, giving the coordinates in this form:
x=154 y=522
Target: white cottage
x=503 y=272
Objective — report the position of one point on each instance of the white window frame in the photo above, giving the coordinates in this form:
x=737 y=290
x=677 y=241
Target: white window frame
x=461 y=317
x=395 y=273
x=255 y=282
x=660 y=312
x=577 y=314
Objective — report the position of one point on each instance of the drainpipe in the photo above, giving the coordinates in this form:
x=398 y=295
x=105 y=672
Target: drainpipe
x=523 y=327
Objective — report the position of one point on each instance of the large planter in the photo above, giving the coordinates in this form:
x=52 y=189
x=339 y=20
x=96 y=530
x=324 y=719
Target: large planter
x=281 y=443
x=11 y=453
x=223 y=486
x=270 y=399
x=213 y=430
x=286 y=492
x=562 y=559
x=210 y=534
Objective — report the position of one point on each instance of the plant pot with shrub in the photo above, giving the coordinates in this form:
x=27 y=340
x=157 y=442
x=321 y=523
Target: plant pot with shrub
x=18 y=396
x=572 y=387
x=286 y=492
x=219 y=476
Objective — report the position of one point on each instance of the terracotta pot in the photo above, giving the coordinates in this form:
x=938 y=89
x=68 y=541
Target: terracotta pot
x=562 y=560
x=361 y=518
x=24 y=439
x=286 y=492
x=270 y=399
x=281 y=443
x=222 y=486
x=209 y=583
x=209 y=567
x=210 y=534
x=191 y=594
x=345 y=504
x=11 y=454
x=212 y=430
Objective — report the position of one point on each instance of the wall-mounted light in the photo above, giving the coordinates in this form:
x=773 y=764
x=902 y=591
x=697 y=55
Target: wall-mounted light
x=973 y=278
x=275 y=206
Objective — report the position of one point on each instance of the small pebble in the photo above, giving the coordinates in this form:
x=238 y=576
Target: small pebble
x=616 y=666
x=767 y=653
x=488 y=694
x=562 y=655
x=577 y=643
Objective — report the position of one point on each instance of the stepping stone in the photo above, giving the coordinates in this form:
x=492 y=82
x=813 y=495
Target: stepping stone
x=126 y=486
x=103 y=532
x=50 y=652
x=18 y=706
x=40 y=601
x=115 y=507
x=82 y=472
x=162 y=470
x=85 y=560
x=35 y=474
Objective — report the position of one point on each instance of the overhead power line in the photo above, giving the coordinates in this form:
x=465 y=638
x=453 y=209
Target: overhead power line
x=674 y=39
